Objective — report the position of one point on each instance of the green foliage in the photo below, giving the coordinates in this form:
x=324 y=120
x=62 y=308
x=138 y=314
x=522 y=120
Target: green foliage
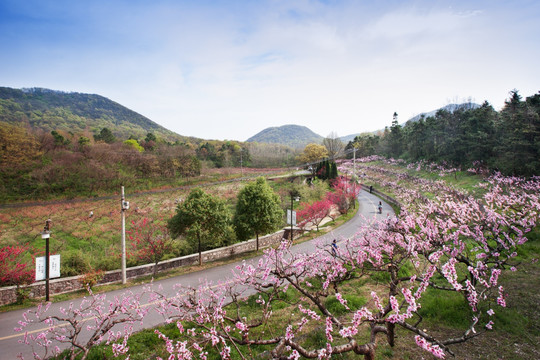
x=203 y=219
x=134 y=144
x=505 y=140
x=105 y=135
x=258 y=210
x=74 y=263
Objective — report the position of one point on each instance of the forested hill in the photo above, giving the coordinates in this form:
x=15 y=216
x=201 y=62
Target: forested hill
x=76 y=113
x=507 y=140
x=295 y=136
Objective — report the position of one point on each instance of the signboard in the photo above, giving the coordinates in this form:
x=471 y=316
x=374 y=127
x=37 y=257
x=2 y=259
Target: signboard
x=289 y=217
x=54 y=267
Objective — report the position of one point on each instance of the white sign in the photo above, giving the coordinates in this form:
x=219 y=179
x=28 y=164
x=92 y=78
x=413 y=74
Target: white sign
x=289 y=217
x=54 y=267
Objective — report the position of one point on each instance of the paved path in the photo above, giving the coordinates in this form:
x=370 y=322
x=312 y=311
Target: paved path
x=9 y=340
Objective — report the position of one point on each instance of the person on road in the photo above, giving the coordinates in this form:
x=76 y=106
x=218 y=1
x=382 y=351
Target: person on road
x=380 y=207
x=334 y=248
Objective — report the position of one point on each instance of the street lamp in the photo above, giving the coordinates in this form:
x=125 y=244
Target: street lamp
x=46 y=234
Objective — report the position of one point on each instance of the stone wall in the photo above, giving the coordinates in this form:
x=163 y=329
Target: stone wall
x=8 y=294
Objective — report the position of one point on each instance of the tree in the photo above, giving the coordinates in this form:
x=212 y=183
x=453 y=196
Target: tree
x=150 y=241
x=150 y=137
x=333 y=145
x=365 y=145
x=84 y=326
x=258 y=210
x=83 y=141
x=313 y=153
x=59 y=140
x=203 y=219
x=105 y=135
x=344 y=194
x=314 y=213
x=134 y=144
x=18 y=147
x=13 y=269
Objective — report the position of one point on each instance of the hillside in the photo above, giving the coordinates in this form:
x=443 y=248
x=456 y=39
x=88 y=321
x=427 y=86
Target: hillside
x=295 y=136
x=450 y=108
x=76 y=113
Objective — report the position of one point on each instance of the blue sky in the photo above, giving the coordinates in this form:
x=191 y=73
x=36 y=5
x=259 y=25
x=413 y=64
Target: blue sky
x=229 y=69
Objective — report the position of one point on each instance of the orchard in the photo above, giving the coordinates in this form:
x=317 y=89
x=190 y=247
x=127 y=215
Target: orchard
x=444 y=242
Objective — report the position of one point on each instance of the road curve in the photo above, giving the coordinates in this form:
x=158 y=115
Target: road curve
x=9 y=339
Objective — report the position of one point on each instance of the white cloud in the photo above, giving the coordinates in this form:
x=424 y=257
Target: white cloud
x=227 y=71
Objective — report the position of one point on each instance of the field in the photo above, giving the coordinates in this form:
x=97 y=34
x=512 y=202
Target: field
x=84 y=229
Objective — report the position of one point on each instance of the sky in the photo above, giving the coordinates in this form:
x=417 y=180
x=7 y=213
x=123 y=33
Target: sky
x=229 y=69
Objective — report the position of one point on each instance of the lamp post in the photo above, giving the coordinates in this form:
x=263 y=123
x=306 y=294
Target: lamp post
x=124 y=205
x=46 y=234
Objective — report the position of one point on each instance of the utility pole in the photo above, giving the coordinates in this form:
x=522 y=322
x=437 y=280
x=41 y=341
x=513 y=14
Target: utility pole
x=354 y=161
x=292 y=237
x=124 y=206
x=241 y=167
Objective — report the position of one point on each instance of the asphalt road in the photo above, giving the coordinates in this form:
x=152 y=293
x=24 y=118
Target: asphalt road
x=9 y=339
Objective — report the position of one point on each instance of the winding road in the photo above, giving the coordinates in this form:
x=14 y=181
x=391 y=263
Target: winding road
x=10 y=345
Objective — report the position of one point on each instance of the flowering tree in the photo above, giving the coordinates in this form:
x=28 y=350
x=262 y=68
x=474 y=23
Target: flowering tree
x=79 y=328
x=314 y=213
x=445 y=245
x=150 y=240
x=13 y=271
x=344 y=194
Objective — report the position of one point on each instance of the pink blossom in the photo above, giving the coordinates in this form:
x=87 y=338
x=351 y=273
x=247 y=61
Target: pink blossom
x=434 y=349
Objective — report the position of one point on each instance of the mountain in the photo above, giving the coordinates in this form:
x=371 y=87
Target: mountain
x=450 y=108
x=345 y=139
x=76 y=113
x=295 y=136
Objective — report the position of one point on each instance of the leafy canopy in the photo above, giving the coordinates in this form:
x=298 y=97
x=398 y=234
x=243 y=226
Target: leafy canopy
x=258 y=210
x=201 y=217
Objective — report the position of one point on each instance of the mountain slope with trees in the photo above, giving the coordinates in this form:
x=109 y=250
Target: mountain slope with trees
x=76 y=113
x=507 y=140
x=295 y=136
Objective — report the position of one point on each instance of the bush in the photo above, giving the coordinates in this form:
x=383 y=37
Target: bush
x=91 y=278
x=75 y=263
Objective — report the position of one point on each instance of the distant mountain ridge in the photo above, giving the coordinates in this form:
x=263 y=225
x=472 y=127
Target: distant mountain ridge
x=76 y=112
x=295 y=136
x=450 y=108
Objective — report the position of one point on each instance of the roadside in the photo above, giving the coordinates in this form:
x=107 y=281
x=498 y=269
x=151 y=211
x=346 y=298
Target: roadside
x=327 y=225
